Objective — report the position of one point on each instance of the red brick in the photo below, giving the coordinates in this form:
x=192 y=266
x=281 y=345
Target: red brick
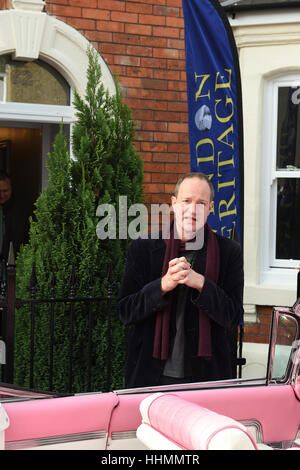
x=145 y=30
x=124 y=17
x=154 y=167
x=113 y=48
x=153 y=42
x=165 y=137
x=174 y=3
x=165 y=32
x=139 y=50
x=165 y=157
x=98 y=36
x=175 y=43
x=139 y=8
x=164 y=178
x=177 y=106
x=154 y=146
x=176 y=64
x=169 y=188
x=166 y=11
x=154 y=63
x=167 y=116
x=113 y=26
x=5 y=4
x=131 y=82
x=154 y=84
x=144 y=136
x=143 y=114
x=166 y=52
x=158 y=2
x=146 y=104
x=127 y=60
x=177 y=127
x=152 y=19
x=167 y=74
x=81 y=24
x=140 y=72
x=96 y=14
x=183 y=148
x=111 y=5
x=66 y=11
x=147 y=179
x=161 y=199
x=177 y=85
x=154 y=188
x=154 y=126
x=126 y=38
x=175 y=168
x=175 y=22
x=80 y=3
x=184 y=157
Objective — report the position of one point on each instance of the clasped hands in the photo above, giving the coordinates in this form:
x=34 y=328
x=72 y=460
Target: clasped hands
x=180 y=272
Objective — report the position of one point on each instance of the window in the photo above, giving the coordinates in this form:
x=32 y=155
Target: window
x=287 y=175
x=32 y=82
x=281 y=176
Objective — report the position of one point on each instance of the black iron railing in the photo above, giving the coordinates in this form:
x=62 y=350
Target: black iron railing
x=9 y=303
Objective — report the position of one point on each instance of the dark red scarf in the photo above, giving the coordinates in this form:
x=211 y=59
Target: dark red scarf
x=162 y=327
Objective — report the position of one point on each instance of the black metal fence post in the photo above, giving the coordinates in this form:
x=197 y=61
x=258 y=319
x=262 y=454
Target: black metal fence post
x=8 y=324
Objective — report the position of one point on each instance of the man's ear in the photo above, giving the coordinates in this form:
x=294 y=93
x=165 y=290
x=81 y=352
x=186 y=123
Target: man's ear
x=211 y=206
x=173 y=200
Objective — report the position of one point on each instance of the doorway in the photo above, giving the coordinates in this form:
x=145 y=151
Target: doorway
x=24 y=148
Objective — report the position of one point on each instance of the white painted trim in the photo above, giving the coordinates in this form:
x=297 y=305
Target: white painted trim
x=264 y=17
x=50 y=40
x=273 y=271
x=36 y=112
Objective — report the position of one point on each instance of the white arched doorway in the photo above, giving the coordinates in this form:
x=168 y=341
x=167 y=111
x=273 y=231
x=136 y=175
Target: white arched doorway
x=28 y=34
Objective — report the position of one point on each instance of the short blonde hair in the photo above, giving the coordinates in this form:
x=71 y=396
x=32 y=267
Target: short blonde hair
x=195 y=174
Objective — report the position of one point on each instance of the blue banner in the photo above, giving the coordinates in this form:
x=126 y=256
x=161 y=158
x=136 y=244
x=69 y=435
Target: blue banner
x=215 y=110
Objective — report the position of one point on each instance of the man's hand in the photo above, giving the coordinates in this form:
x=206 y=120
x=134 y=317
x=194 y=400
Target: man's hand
x=180 y=272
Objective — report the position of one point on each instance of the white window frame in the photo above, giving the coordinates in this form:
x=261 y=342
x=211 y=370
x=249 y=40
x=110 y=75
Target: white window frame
x=274 y=270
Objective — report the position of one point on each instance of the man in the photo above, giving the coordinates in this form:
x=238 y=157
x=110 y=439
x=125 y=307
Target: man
x=14 y=224
x=182 y=299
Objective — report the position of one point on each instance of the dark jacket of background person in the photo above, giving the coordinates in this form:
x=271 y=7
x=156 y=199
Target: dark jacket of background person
x=140 y=299
x=16 y=226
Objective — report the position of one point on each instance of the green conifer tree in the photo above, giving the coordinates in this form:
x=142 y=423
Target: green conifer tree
x=63 y=234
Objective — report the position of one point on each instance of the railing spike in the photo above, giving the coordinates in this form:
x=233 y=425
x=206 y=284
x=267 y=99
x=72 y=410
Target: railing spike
x=11 y=262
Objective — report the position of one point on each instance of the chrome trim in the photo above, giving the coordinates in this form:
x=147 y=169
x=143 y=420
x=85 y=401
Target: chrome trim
x=255 y=381
x=54 y=440
x=123 y=435
x=254 y=423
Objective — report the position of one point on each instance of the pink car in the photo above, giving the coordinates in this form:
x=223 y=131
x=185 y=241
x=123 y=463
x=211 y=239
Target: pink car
x=250 y=414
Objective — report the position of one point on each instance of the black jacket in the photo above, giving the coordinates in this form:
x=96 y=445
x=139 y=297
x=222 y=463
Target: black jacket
x=16 y=225
x=140 y=299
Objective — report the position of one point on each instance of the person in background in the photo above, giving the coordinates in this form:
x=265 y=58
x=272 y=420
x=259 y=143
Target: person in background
x=14 y=219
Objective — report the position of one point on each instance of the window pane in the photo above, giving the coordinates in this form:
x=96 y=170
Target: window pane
x=34 y=82
x=288 y=220
x=288 y=130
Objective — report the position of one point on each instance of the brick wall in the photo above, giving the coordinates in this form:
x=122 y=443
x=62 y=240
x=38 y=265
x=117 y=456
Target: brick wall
x=4 y=4
x=143 y=41
x=259 y=332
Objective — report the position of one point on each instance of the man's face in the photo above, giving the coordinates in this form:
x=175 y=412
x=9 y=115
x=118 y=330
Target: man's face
x=5 y=191
x=191 y=206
